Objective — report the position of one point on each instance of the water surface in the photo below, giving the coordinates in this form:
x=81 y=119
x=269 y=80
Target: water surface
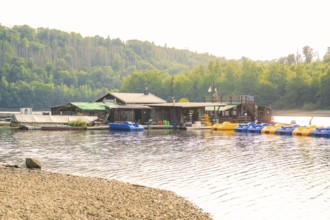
x=231 y=176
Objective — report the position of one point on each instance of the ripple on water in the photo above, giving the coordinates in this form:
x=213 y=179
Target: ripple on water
x=262 y=176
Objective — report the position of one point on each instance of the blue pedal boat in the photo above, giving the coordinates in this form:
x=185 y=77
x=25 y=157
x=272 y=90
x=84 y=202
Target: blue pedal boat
x=321 y=132
x=243 y=127
x=257 y=128
x=286 y=130
x=125 y=126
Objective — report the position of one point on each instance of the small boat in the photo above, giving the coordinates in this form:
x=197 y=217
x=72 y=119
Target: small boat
x=62 y=128
x=286 y=130
x=321 y=132
x=257 y=128
x=244 y=127
x=125 y=126
x=271 y=129
x=224 y=126
x=304 y=131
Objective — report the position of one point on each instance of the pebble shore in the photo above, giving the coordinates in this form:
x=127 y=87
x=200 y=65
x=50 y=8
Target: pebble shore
x=36 y=194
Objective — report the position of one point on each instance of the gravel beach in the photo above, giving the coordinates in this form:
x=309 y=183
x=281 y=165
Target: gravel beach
x=36 y=194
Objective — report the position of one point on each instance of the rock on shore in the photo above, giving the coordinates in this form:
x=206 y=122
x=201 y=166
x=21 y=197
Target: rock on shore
x=35 y=194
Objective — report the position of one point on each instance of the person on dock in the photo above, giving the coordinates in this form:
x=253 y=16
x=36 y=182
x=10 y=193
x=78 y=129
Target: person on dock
x=310 y=121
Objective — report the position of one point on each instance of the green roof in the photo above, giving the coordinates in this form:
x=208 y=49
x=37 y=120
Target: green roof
x=93 y=106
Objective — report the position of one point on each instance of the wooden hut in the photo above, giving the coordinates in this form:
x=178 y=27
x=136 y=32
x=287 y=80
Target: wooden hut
x=131 y=106
x=98 y=109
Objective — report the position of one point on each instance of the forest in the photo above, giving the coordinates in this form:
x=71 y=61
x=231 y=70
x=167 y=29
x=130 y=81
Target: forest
x=42 y=67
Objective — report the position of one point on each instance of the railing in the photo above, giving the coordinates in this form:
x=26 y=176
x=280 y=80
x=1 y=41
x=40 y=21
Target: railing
x=243 y=119
x=250 y=106
x=248 y=102
x=231 y=99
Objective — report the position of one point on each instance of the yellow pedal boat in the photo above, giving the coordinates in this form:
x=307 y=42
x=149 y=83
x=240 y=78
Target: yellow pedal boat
x=225 y=126
x=271 y=129
x=304 y=131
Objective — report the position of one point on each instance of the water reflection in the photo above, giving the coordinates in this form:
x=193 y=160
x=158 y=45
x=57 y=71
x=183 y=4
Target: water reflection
x=232 y=176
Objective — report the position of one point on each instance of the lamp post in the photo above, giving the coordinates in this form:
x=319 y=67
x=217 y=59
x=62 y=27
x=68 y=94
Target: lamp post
x=214 y=97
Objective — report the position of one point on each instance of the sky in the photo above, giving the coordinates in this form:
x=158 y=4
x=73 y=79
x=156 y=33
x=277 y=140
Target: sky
x=256 y=29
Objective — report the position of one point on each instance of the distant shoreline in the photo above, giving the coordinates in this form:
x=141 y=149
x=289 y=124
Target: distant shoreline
x=297 y=112
x=276 y=112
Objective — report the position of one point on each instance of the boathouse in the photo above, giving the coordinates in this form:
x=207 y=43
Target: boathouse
x=113 y=107
x=146 y=108
x=241 y=109
x=130 y=106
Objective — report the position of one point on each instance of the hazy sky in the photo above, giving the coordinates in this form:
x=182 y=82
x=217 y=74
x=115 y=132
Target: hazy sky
x=257 y=29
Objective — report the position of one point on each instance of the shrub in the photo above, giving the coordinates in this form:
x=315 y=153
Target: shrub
x=310 y=106
x=77 y=123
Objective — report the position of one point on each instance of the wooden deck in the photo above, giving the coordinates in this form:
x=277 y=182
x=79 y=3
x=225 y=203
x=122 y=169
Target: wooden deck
x=199 y=128
x=158 y=127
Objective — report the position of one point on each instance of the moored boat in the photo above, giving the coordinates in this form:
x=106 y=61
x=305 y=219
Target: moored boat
x=271 y=129
x=125 y=126
x=321 y=132
x=304 y=131
x=286 y=130
x=244 y=127
x=224 y=126
x=257 y=128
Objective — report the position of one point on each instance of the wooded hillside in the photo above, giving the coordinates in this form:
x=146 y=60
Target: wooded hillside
x=44 y=67
x=40 y=68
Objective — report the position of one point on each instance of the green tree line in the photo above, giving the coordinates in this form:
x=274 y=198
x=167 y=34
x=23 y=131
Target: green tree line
x=43 y=67
x=304 y=85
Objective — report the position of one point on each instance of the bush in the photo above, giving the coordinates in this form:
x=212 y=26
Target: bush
x=77 y=123
x=183 y=100
x=310 y=106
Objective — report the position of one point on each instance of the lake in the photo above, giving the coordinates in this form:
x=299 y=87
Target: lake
x=231 y=176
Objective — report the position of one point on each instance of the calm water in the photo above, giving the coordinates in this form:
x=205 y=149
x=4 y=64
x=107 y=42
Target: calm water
x=229 y=175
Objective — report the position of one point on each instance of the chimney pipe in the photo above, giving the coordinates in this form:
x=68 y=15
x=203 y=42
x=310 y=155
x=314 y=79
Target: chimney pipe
x=146 y=91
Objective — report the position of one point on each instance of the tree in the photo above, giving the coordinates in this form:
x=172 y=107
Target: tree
x=181 y=86
x=157 y=82
x=326 y=57
x=288 y=60
x=249 y=77
x=325 y=90
x=308 y=54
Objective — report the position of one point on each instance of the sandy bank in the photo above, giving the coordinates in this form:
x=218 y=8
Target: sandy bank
x=35 y=194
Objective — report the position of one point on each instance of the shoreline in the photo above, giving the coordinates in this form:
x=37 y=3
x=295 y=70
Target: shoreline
x=36 y=194
x=302 y=113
